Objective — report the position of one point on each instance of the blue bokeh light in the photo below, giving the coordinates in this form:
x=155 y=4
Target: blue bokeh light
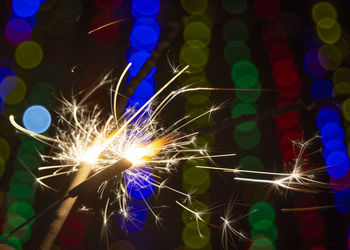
x=145 y=8
x=31 y=20
x=321 y=88
x=25 y=8
x=135 y=219
x=337 y=164
x=332 y=135
x=326 y=150
x=138 y=59
x=139 y=184
x=36 y=119
x=325 y=116
x=18 y=30
x=342 y=201
x=145 y=34
x=312 y=65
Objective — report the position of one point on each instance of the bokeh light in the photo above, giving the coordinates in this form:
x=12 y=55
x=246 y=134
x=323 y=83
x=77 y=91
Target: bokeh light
x=36 y=119
x=29 y=54
x=25 y=8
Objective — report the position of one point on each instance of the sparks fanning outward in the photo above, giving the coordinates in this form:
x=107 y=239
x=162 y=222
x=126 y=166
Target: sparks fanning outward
x=299 y=179
x=85 y=139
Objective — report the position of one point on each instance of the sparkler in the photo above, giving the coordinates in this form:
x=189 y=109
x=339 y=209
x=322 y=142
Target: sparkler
x=84 y=142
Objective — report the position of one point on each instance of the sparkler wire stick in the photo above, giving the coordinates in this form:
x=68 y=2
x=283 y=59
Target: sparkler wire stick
x=89 y=184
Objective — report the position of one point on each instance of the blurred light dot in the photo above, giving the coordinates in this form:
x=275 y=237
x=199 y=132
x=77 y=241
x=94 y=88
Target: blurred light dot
x=4 y=73
x=267 y=9
x=22 y=177
x=18 y=31
x=72 y=232
x=342 y=201
x=321 y=88
x=2 y=170
x=235 y=30
x=287 y=120
x=192 y=238
x=36 y=119
x=250 y=162
x=196 y=179
x=29 y=54
x=331 y=57
x=195 y=56
x=138 y=59
x=244 y=74
x=341 y=75
x=249 y=96
x=346 y=109
x=145 y=34
x=194 y=6
x=108 y=5
x=139 y=183
x=235 y=7
x=286 y=142
x=329 y=35
x=261 y=242
x=236 y=51
x=145 y=8
x=25 y=8
x=332 y=134
x=342 y=88
x=32 y=20
x=135 y=219
x=4 y=149
x=42 y=93
x=325 y=116
x=247 y=139
x=337 y=164
x=22 y=192
x=270 y=232
x=323 y=13
x=280 y=51
x=13 y=242
x=312 y=64
x=312 y=225
x=197 y=31
x=188 y=217
x=18 y=90
x=21 y=208
x=263 y=215
x=340 y=184
x=244 y=109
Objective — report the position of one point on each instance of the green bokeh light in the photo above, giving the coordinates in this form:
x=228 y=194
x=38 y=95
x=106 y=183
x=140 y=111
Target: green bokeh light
x=13 y=241
x=42 y=93
x=236 y=51
x=235 y=7
x=30 y=159
x=22 y=192
x=31 y=144
x=244 y=109
x=263 y=215
x=13 y=221
x=29 y=54
x=244 y=74
x=191 y=237
x=261 y=243
x=250 y=162
x=247 y=139
x=22 y=177
x=270 y=232
x=235 y=30
x=21 y=208
x=249 y=96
